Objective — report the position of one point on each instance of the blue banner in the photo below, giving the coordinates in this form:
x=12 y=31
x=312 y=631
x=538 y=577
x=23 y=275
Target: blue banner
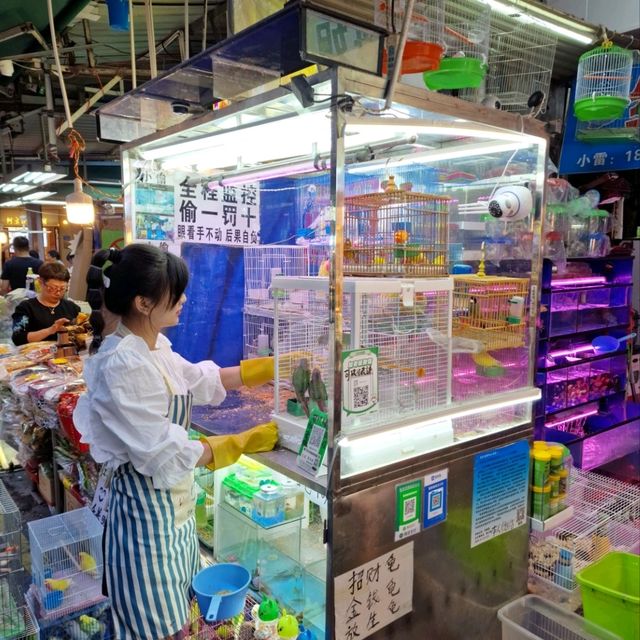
x=591 y=147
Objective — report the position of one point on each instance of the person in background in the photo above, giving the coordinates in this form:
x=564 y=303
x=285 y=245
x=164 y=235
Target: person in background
x=53 y=256
x=70 y=257
x=34 y=254
x=41 y=318
x=14 y=272
x=135 y=417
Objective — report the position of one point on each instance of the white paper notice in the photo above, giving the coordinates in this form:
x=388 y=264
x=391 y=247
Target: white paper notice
x=374 y=594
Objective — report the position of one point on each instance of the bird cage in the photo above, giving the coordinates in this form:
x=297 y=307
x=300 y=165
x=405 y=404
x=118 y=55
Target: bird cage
x=424 y=47
x=16 y=620
x=66 y=562
x=603 y=83
x=466 y=34
x=490 y=309
x=407 y=322
x=396 y=232
x=10 y=534
x=204 y=510
x=520 y=64
x=90 y=623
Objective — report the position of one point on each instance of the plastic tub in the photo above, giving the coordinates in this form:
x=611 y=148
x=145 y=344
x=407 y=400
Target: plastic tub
x=532 y=617
x=611 y=593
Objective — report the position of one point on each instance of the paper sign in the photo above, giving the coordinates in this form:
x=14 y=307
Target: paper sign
x=314 y=443
x=500 y=489
x=435 y=498
x=408 y=502
x=360 y=380
x=374 y=594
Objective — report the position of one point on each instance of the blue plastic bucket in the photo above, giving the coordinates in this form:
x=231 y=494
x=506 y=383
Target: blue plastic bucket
x=118 y=14
x=221 y=590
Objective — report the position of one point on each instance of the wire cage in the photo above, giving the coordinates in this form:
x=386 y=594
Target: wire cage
x=258 y=335
x=16 y=620
x=520 y=65
x=408 y=322
x=66 y=562
x=603 y=83
x=204 y=511
x=241 y=627
x=425 y=42
x=396 y=232
x=10 y=534
x=466 y=35
x=490 y=309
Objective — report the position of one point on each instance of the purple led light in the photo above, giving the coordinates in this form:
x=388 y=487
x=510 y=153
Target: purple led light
x=571 y=282
x=567 y=352
x=577 y=416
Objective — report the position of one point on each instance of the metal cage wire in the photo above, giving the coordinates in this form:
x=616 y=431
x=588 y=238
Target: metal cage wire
x=16 y=620
x=467 y=29
x=604 y=71
x=10 y=534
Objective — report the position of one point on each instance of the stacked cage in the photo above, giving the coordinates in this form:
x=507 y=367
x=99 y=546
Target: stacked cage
x=66 y=563
x=16 y=621
x=261 y=264
x=606 y=517
x=409 y=323
x=396 y=232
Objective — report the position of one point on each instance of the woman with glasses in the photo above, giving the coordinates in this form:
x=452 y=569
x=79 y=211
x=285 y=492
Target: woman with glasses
x=41 y=318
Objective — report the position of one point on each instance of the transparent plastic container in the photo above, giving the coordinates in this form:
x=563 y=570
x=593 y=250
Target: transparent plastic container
x=268 y=505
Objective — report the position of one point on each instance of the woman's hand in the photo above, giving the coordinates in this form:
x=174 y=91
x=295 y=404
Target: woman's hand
x=58 y=325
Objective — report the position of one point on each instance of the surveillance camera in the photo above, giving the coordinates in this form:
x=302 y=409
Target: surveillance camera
x=511 y=203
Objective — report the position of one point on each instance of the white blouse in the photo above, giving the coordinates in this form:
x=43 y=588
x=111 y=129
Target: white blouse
x=124 y=414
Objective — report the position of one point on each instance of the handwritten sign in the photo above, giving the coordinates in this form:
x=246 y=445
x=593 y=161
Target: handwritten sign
x=207 y=214
x=500 y=489
x=374 y=594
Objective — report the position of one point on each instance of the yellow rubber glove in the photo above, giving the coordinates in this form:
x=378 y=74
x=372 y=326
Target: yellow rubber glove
x=227 y=449
x=256 y=371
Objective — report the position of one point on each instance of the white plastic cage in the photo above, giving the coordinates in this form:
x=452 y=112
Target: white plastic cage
x=16 y=620
x=408 y=321
x=66 y=562
x=10 y=534
x=258 y=335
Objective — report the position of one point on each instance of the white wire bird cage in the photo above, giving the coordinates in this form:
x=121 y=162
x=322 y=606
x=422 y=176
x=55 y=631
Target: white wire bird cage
x=467 y=35
x=603 y=83
x=407 y=321
x=10 y=534
x=425 y=41
x=66 y=562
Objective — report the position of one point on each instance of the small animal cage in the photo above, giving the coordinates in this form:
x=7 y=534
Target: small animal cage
x=466 y=34
x=603 y=83
x=425 y=43
x=520 y=65
x=490 y=309
x=16 y=621
x=396 y=232
x=66 y=562
x=407 y=321
x=10 y=534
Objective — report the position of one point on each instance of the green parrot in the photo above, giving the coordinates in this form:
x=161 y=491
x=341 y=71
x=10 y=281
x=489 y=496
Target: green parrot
x=300 y=379
x=318 y=390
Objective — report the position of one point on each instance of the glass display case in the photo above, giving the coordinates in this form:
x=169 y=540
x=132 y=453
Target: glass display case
x=400 y=320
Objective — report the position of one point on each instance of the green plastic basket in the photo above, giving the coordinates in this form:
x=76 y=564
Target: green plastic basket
x=611 y=593
x=600 y=108
x=456 y=73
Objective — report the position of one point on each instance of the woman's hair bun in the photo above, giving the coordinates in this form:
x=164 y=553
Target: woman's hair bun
x=115 y=255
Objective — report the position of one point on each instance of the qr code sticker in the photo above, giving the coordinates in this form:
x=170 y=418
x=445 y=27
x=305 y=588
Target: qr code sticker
x=315 y=439
x=409 y=509
x=361 y=397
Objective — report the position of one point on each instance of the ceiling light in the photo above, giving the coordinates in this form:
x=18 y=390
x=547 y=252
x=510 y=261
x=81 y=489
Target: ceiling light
x=79 y=205
x=11 y=203
x=37 y=195
x=3 y=237
x=28 y=177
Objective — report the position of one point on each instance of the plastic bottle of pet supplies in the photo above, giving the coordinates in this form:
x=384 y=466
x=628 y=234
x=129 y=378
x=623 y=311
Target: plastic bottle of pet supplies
x=268 y=505
x=541 y=467
x=516 y=310
x=293 y=499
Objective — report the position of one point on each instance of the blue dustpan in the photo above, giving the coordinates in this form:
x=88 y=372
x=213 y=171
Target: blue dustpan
x=608 y=344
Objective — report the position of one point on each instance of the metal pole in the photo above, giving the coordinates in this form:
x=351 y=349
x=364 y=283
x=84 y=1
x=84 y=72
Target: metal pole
x=132 y=47
x=397 y=63
x=186 y=28
x=151 y=38
x=204 y=25
x=3 y=159
x=86 y=27
x=51 y=121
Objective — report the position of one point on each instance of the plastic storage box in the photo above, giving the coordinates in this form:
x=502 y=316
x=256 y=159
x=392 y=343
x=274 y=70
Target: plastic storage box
x=532 y=617
x=611 y=593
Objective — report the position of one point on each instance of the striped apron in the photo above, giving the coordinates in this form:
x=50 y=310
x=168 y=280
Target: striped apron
x=151 y=551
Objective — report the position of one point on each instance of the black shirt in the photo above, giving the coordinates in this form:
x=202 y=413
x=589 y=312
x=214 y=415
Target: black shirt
x=31 y=315
x=15 y=270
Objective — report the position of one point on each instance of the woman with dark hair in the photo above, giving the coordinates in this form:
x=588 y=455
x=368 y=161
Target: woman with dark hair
x=41 y=318
x=135 y=416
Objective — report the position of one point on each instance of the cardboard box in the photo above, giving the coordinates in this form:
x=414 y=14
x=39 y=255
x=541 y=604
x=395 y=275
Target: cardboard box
x=45 y=486
x=72 y=500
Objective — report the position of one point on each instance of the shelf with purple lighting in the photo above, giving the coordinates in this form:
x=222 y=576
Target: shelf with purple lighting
x=587 y=281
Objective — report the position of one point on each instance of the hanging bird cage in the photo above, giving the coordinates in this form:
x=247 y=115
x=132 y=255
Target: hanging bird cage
x=466 y=35
x=603 y=82
x=424 y=47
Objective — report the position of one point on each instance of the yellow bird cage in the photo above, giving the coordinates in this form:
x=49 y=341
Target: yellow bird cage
x=490 y=309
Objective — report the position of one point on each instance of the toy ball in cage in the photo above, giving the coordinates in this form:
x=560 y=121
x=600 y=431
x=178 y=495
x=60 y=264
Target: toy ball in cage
x=603 y=83
x=425 y=42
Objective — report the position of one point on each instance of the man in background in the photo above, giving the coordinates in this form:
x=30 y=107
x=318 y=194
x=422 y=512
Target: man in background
x=14 y=272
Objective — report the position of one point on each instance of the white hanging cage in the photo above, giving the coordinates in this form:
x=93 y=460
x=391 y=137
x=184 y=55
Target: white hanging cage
x=466 y=36
x=425 y=41
x=603 y=83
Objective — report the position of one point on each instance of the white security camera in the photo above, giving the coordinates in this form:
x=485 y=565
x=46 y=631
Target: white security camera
x=511 y=203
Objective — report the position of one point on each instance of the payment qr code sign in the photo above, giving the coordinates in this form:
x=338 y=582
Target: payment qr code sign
x=360 y=380
x=408 y=509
